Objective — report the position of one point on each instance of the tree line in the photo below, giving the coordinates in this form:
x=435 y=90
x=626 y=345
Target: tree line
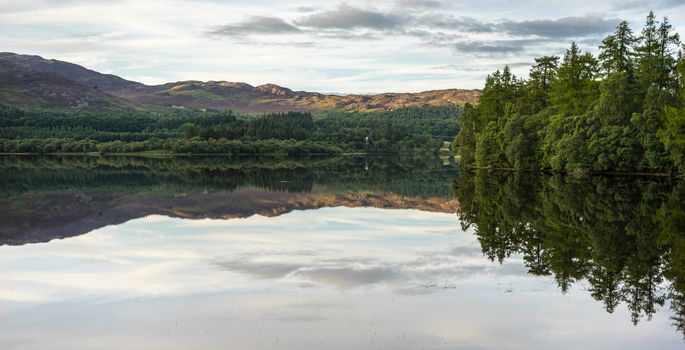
x=622 y=110
x=404 y=130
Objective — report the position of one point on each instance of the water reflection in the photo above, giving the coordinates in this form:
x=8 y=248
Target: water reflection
x=334 y=253
x=75 y=195
x=625 y=236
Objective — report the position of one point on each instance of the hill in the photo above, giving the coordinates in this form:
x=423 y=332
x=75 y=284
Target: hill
x=22 y=87
x=90 y=78
x=273 y=98
x=37 y=82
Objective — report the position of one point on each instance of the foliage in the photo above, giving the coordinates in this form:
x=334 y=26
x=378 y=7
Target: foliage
x=622 y=111
x=404 y=130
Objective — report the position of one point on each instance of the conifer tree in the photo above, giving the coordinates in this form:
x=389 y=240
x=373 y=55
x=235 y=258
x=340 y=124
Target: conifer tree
x=574 y=89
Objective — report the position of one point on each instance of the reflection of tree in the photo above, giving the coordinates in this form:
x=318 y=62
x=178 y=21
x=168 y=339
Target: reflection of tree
x=670 y=219
x=625 y=236
x=402 y=176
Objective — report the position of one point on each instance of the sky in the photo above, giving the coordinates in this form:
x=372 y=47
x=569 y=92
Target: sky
x=326 y=46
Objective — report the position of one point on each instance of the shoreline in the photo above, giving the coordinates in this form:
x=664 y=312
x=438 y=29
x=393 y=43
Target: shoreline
x=581 y=174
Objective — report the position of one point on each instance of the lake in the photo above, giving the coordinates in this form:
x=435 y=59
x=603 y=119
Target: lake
x=334 y=253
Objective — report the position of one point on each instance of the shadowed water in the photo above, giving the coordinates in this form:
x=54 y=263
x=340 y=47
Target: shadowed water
x=340 y=253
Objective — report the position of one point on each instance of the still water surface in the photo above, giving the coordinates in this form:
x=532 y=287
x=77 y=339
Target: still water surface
x=349 y=253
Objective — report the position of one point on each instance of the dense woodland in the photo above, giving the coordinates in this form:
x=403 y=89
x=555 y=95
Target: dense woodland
x=404 y=130
x=623 y=110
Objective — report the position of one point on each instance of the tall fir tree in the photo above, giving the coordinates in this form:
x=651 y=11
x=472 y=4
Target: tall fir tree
x=542 y=75
x=575 y=88
x=617 y=51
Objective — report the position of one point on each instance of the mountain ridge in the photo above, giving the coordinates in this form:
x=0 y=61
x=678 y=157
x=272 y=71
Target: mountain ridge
x=25 y=88
x=71 y=71
x=216 y=94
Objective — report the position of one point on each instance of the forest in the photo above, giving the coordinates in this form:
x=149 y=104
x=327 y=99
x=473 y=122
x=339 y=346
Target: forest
x=620 y=111
x=408 y=130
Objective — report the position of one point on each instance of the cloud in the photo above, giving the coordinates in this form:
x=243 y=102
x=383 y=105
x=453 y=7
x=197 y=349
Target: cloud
x=297 y=44
x=461 y=23
x=463 y=34
x=479 y=68
x=497 y=47
x=566 y=27
x=420 y=4
x=428 y=24
x=651 y=5
x=306 y=9
x=546 y=28
x=349 y=17
x=255 y=25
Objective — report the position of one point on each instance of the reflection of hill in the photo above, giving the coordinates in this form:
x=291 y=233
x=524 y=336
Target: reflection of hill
x=61 y=197
x=44 y=218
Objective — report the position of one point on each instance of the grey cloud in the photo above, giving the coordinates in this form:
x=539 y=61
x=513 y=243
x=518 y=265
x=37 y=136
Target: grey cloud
x=449 y=31
x=561 y=28
x=348 y=17
x=435 y=29
x=465 y=24
x=303 y=44
x=458 y=68
x=479 y=68
x=546 y=28
x=500 y=47
x=651 y=5
x=255 y=25
x=344 y=35
x=306 y=9
x=420 y=4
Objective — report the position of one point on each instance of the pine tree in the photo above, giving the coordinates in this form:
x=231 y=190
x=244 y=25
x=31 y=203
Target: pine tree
x=574 y=89
x=617 y=51
x=648 y=54
x=542 y=76
x=668 y=41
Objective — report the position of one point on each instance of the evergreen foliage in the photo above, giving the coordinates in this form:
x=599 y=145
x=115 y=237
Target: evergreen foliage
x=622 y=111
x=405 y=130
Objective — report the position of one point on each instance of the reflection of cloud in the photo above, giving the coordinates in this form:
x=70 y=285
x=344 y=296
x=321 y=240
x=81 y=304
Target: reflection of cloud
x=466 y=250
x=351 y=277
x=394 y=250
x=409 y=276
x=259 y=269
x=291 y=317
